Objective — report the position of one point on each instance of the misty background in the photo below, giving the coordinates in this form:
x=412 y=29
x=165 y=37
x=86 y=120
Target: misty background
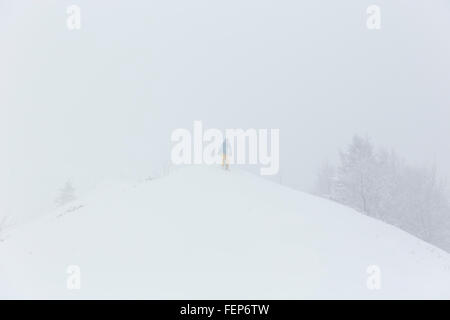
x=101 y=103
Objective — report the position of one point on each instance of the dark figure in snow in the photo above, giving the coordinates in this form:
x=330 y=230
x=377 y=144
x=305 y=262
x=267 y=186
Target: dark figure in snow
x=225 y=163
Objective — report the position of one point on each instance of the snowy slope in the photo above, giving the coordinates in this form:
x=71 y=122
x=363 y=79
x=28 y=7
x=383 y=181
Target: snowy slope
x=202 y=232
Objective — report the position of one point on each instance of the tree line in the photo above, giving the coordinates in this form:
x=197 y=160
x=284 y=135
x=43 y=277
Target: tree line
x=382 y=185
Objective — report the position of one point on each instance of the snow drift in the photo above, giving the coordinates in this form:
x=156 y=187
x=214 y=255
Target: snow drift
x=205 y=233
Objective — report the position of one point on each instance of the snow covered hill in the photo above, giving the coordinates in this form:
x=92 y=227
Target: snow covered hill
x=204 y=233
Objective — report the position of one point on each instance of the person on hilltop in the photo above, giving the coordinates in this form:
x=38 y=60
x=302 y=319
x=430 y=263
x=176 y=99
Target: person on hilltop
x=225 y=154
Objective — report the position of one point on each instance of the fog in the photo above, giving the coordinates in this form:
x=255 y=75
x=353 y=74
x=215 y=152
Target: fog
x=101 y=102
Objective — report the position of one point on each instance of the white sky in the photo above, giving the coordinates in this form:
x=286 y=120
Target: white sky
x=102 y=102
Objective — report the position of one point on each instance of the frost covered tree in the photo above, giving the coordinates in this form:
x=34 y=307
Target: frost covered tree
x=357 y=176
x=66 y=194
x=380 y=184
x=420 y=202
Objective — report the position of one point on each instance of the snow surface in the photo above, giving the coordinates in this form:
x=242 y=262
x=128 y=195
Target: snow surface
x=205 y=233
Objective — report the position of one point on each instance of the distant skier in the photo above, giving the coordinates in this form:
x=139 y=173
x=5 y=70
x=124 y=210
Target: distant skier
x=225 y=153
